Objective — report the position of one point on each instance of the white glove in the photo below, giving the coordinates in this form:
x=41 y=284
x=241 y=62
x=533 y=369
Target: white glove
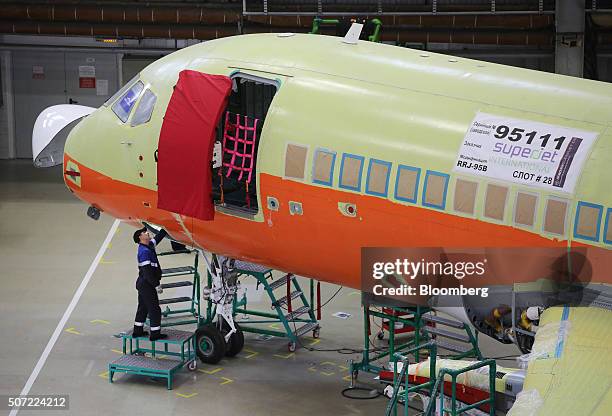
x=159 y=290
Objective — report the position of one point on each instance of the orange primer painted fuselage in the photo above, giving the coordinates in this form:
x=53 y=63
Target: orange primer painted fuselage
x=322 y=243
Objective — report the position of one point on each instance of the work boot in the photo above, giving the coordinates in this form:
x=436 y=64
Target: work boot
x=139 y=332
x=155 y=335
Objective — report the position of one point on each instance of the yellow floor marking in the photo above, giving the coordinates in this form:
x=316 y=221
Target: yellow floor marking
x=252 y=353
x=315 y=342
x=227 y=381
x=103 y=375
x=274 y=326
x=71 y=330
x=117 y=351
x=328 y=362
x=186 y=396
x=347 y=378
x=285 y=356
x=216 y=370
x=326 y=373
x=118 y=230
x=343 y=367
x=102 y=261
x=109 y=245
x=99 y=321
x=313 y=369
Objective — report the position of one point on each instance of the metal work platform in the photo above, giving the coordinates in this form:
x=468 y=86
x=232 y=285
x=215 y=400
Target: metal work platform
x=422 y=324
x=178 y=345
x=292 y=309
x=404 y=384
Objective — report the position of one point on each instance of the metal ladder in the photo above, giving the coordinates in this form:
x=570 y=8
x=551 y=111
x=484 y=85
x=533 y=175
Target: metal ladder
x=462 y=344
x=453 y=411
x=185 y=315
x=297 y=320
x=436 y=384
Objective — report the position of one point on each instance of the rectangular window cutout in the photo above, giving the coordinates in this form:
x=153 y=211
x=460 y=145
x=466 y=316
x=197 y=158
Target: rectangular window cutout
x=323 y=167
x=434 y=191
x=295 y=161
x=350 y=171
x=407 y=183
x=525 y=209
x=495 y=202
x=608 y=227
x=554 y=218
x=378 y=177
x=465 y=196
x=588 y=220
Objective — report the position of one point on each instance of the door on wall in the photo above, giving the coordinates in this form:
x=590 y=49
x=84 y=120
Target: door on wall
x=38 y=82
x=91 y=78
x=42 y=79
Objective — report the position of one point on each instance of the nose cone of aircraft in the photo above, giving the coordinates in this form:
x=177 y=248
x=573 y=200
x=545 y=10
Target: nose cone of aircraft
x=51 y=130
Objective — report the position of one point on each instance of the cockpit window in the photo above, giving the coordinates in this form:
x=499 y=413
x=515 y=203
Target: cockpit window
x=124 y=105
x=143 y=112
x=121 y=91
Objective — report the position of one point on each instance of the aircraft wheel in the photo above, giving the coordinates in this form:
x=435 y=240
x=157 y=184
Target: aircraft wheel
x=316 y=333
x=235 y=342
x=210 y=344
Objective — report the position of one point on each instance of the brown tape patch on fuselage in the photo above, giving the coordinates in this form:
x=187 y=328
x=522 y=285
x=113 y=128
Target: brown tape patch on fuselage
x=554 y=219
x=435 y=187
x=588 y=221
x=377 y=181
x=323 y=166
x=525 y=209
x=465 y=196
x=495 y=202
x=351 y=172
x=407 y=184
x=295 y=161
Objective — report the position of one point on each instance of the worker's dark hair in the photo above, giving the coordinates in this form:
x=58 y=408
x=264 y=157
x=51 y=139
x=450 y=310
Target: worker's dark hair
x=137 y=234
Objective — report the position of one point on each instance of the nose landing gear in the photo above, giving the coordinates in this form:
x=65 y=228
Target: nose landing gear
x=93 y=213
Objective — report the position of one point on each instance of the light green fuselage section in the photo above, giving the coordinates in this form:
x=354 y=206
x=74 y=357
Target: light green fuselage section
x=399 y=105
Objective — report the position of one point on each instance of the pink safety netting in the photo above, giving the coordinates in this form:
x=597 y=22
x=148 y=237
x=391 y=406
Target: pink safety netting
x=239 y=141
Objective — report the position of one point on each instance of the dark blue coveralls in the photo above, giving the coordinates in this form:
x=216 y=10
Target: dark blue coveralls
x=149 y=276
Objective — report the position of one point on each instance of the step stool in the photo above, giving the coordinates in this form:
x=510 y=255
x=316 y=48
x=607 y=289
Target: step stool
x=135 y=362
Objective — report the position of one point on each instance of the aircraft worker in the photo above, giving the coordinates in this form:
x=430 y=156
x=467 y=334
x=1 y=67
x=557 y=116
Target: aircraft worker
x=148 y=284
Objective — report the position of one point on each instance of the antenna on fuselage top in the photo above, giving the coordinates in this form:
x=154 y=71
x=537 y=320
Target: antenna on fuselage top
x=352 y=36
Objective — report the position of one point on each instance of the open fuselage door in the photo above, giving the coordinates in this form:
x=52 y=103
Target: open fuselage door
x=186 y=141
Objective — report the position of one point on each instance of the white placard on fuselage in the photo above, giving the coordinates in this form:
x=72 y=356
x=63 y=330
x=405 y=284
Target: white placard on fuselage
x=523 y=151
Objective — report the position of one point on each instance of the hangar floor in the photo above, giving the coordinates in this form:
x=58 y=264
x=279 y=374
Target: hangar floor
x=47 y=244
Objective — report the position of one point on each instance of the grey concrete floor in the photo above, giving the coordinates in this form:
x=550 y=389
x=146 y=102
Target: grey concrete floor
x=47 y=244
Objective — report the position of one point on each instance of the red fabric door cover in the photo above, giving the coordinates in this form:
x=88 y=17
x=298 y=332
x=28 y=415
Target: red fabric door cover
x=186 y=141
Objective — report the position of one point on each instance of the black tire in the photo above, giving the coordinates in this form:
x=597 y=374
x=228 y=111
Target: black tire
x=210 y=344
x=235 y=342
